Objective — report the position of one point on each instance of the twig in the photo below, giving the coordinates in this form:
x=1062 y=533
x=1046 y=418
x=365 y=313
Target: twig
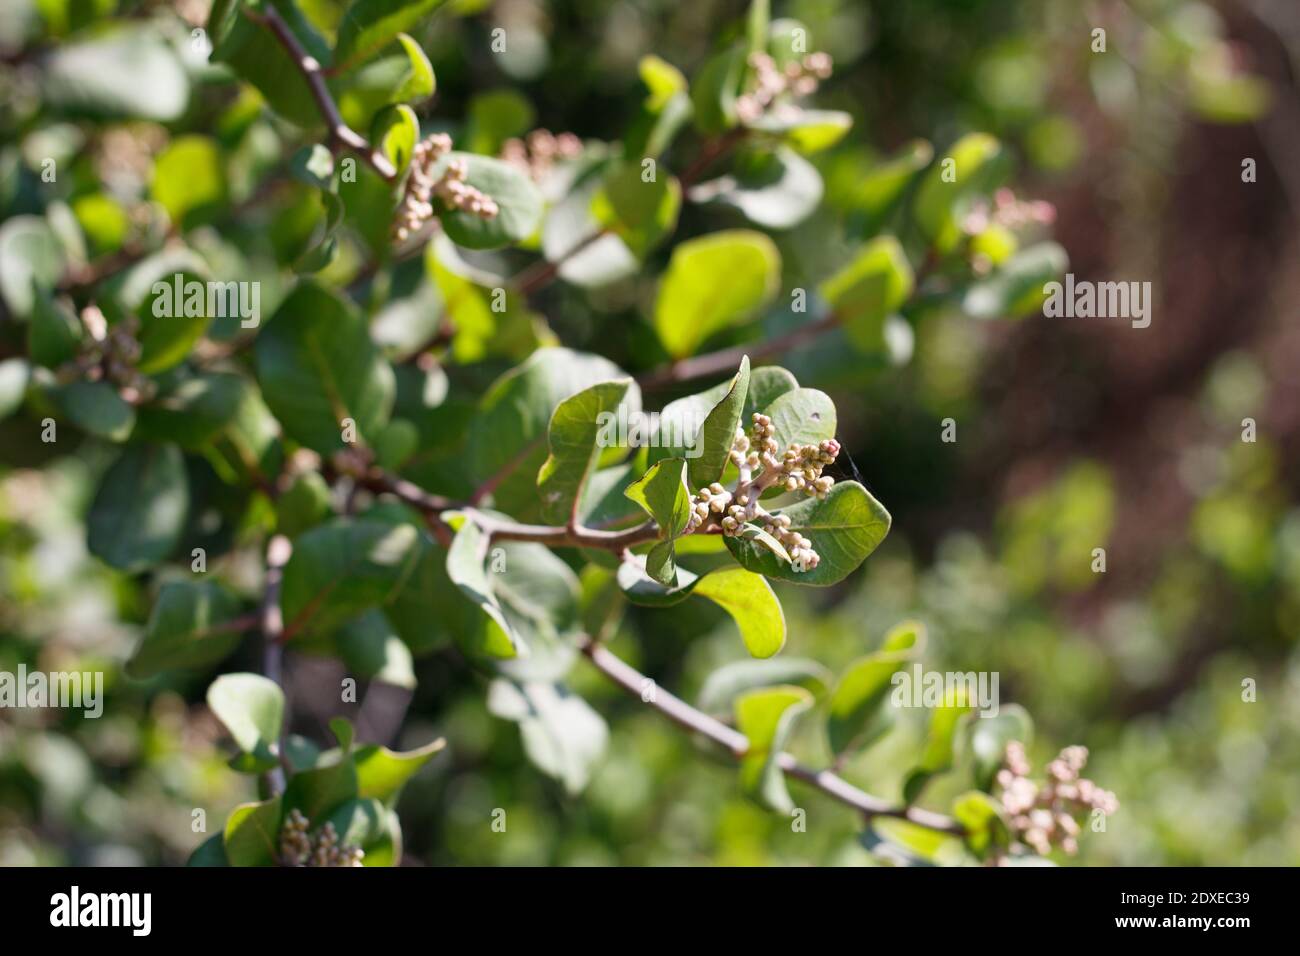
x=278 y=551
x=737 y=744
x=541 y=273
x=713 y=151
x=341 y=135
x=726 y=360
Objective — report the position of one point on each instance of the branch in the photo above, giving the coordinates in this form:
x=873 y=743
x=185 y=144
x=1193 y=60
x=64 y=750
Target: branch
x=341 y=135
x=725 y=361
x=829 y=783
x=278 y=551
x=500 y=529
x=542 y=273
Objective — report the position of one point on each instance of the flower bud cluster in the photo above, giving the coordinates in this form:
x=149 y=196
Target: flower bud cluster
x=111 y=355
x=798 y=77
x=1047 y=815
x=298 y=848
x=448 y=187
x=536 y=154
x=798 y=468
x=1009 y=211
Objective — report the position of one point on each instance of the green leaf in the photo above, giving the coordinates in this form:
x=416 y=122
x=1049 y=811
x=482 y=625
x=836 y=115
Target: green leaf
x=304 y=506
x=364 y=824
x=195 y=411
x=776 y=190
x=695 y=301
x=757 y=25
x=942 y=200
x=254 y=53
x=728 y=682
x=370 y=25
x=507 y=436
x=394 y=133
x=405 y=76
x=766 y=384
x=640 y=588
x=168 y=291
x=140 y=508
x=124 y=72
x=15 y=373
x=567 y=240
x=664 y=112
x=640 y=213
x=806 y=131
x=251 y=707
x=856 y=712
x=313 y=165
x=496 y=116
x=465 y=567
x=985 y=821
x=903 y=843
x=371 y=649
x=752 y=604
x=662 y=79
x=1016 y=288
x=573 y=438
x=211 y=852
x=562 y=735
x=97 y=408
x=318 y=792
x=937 y=756
x=844 y=528
x=31 y=260
x=344 y=733
x=714 y=92
x=54 y=334
x=318 y=367
x=802 y=415
x=767 y=717
x=540 y=597
x=883 y=186
x=718 y=432
x=518 y=200
x=662 y=494
x=187 y=628
x=252 y=834
x=346 y=567
x=189 y=179
x=871 y=287
x=419 y=82
x=381 y=773
x=988 y=738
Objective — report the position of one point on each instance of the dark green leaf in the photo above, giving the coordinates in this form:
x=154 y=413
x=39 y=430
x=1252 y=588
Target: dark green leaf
x=140 y=509
x=187 y=628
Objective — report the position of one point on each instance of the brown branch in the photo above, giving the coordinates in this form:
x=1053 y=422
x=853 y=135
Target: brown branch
x=726 y=360
x=731 y=740
x=341 y=135
x=542 y=273
x=713 y=150
x=500 y=529
x=278 y=551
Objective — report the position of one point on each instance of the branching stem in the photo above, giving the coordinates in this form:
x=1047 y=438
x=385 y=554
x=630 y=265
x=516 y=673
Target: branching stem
x=737 y=744
x=341 y=135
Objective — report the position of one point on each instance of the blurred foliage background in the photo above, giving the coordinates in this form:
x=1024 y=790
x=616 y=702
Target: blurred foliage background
x=1072 y=435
